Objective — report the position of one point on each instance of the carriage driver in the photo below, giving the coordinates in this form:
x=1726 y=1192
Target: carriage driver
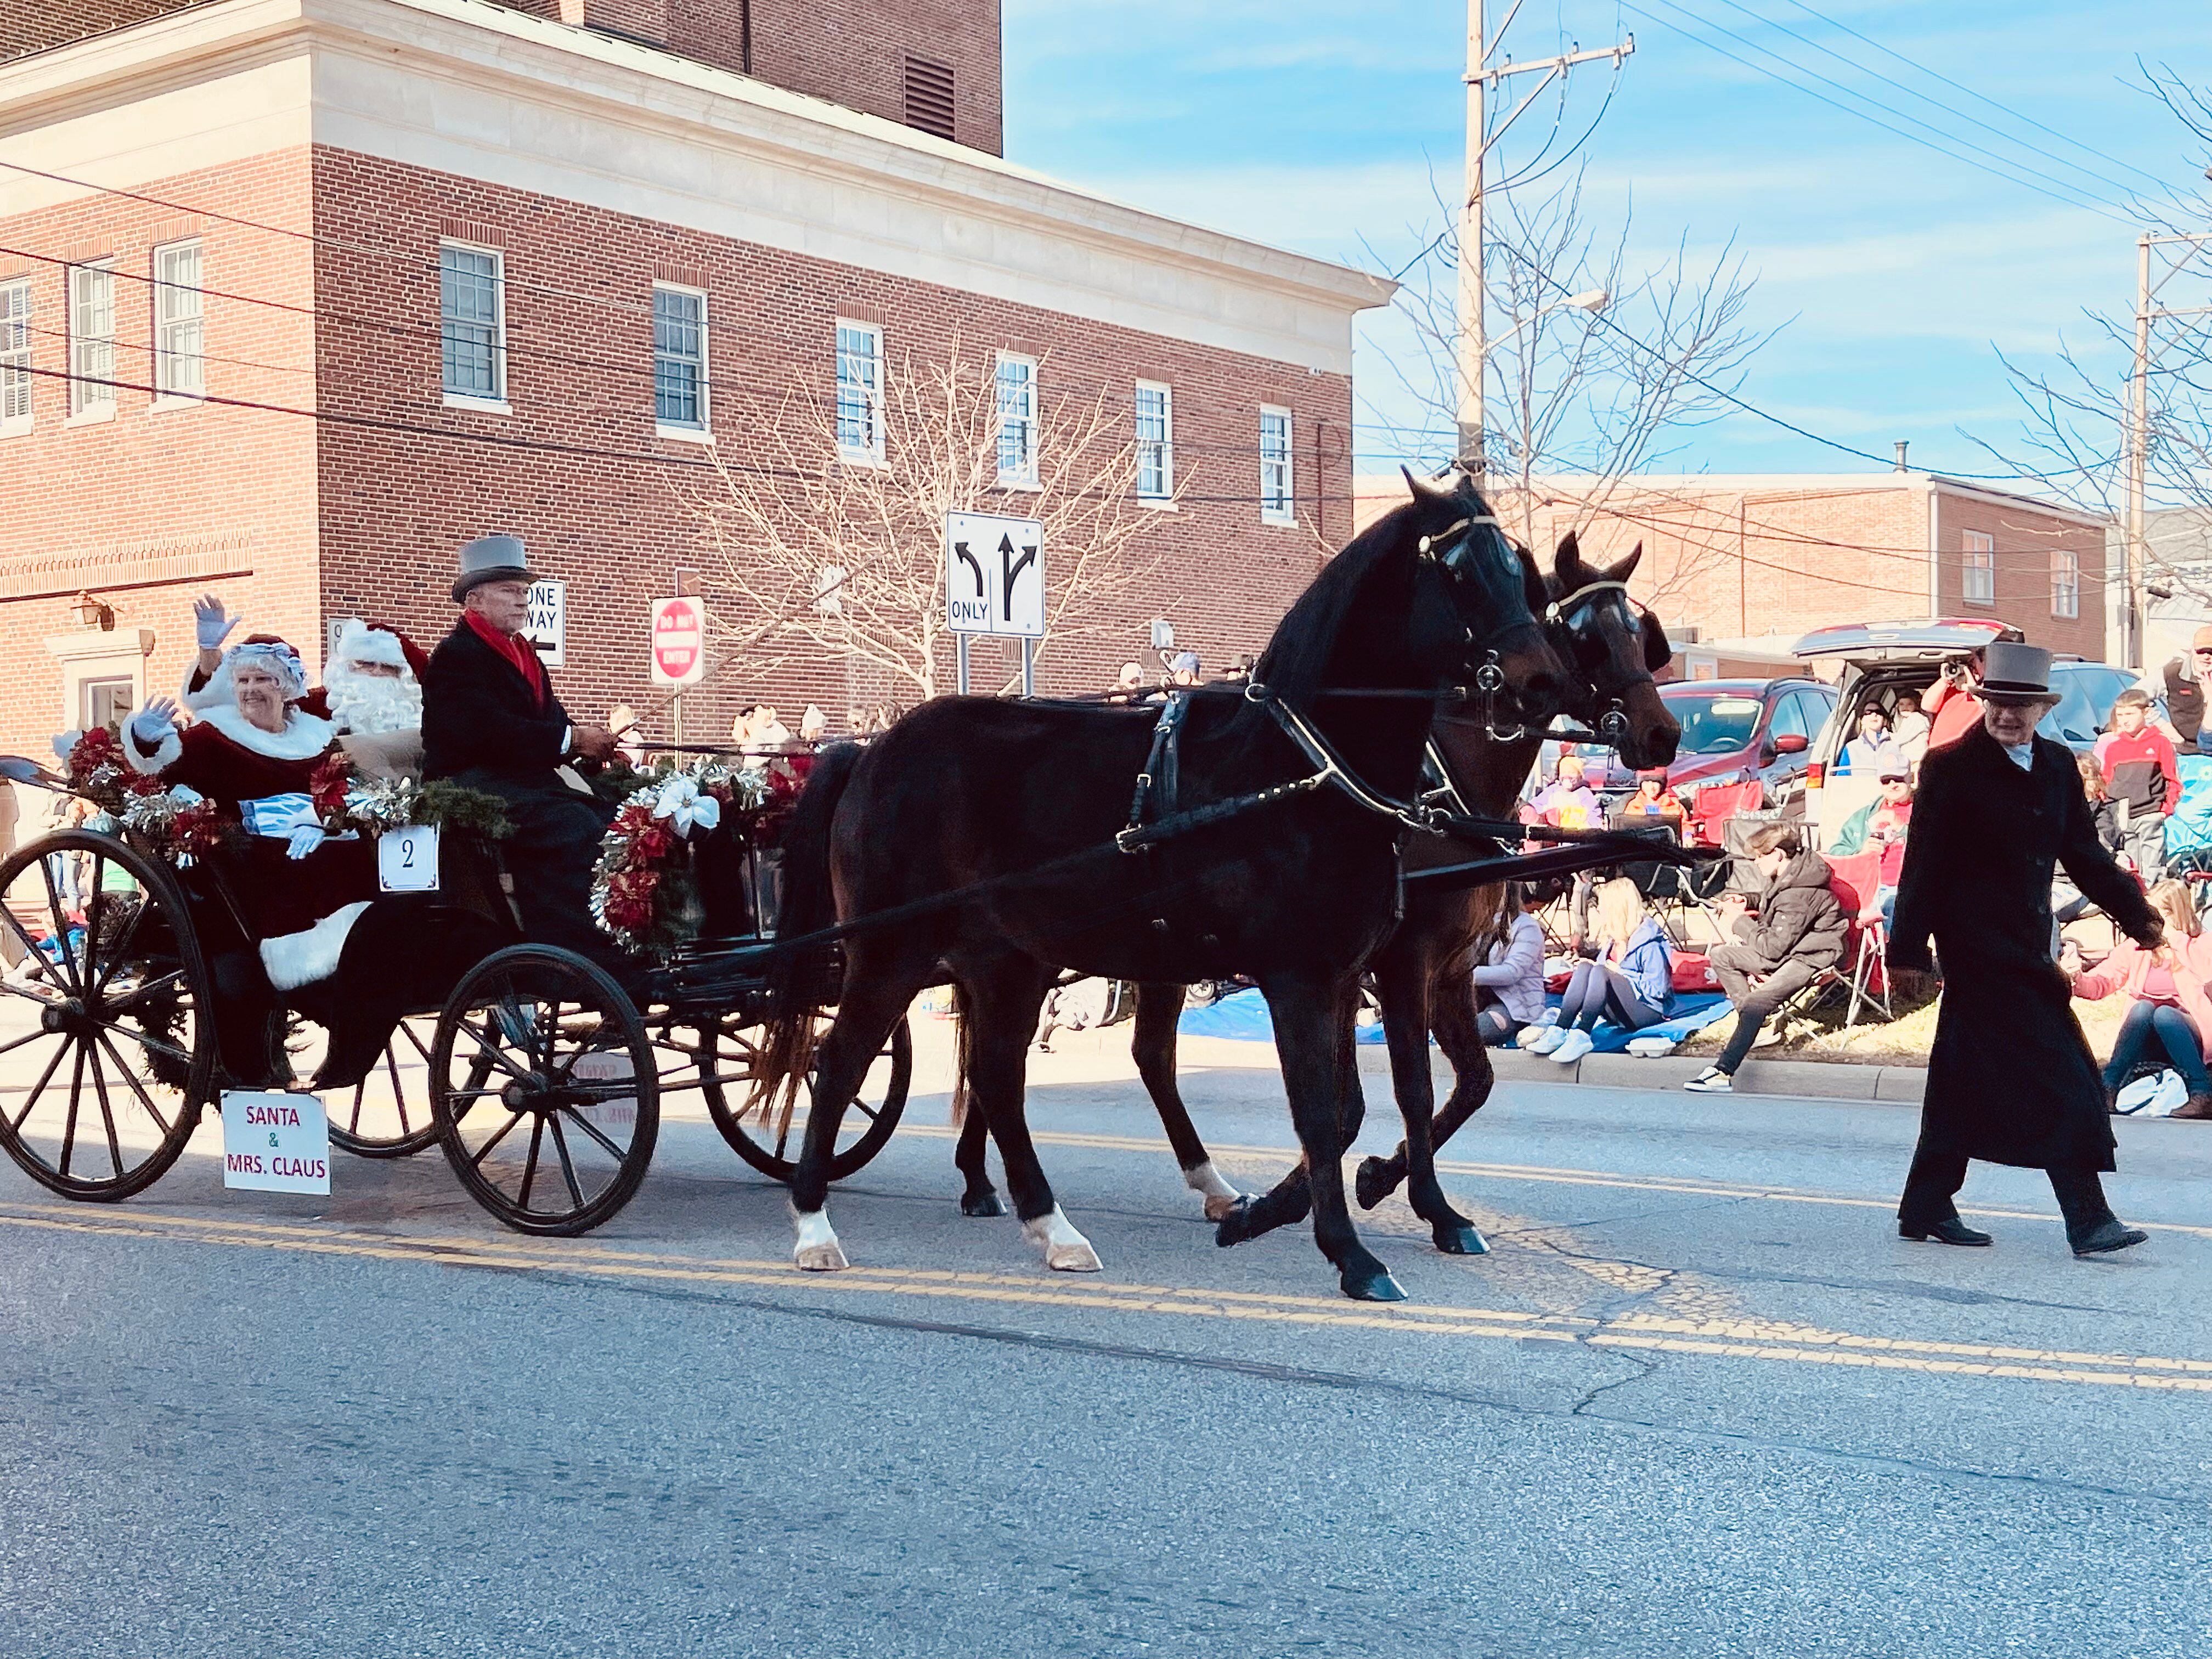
x=490 y=721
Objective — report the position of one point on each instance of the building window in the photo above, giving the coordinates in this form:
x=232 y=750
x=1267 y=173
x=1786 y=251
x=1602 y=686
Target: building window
x=929 y=96
x=92 y=341
x=180 y=326
x=1277 y=504
x=859 y=391
x=1155 y=442
x=1979 y=573
x=679 y=360
x=2065 y=582
x=15 y=356
x=106 y=702
x=1018 y=421
x=471 y=322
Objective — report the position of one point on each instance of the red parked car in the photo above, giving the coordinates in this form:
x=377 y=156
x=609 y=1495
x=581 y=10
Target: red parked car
x=1732 y=730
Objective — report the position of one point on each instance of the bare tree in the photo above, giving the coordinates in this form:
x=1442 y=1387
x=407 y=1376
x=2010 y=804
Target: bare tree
x=817 y=557
x=1578 y=402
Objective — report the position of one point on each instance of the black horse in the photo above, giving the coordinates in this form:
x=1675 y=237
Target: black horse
x=1614 y=647
x=989 y=828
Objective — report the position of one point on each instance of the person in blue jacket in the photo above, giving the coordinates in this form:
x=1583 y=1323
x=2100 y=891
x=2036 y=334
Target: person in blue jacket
x=1627 y=985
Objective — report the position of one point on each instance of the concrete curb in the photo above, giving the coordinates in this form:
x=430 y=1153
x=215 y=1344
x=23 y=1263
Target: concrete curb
x=1814 y=1080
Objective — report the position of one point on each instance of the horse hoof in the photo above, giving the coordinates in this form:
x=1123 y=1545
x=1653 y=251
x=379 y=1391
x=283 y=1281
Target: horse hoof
x=1372 y=1183
x=1374 y=1286
x=1236 y=1223
x=1066 y=1250
x=1220 y=1208
x=1460 y=1240
x=989 y=1204
x=821 y=1258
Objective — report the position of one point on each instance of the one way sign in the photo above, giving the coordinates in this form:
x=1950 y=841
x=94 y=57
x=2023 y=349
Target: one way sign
x=993 y=574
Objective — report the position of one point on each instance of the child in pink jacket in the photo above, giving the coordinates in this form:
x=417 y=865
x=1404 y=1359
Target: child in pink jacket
x=2172 y=1002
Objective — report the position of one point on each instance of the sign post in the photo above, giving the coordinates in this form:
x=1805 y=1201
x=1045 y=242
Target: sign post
x=995 y=584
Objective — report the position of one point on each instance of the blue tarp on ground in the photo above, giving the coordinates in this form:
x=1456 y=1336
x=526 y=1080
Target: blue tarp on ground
x=2189 y=827
x=1243 y=1016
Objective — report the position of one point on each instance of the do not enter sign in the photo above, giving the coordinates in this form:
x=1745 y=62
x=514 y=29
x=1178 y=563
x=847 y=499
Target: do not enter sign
x=679 y=642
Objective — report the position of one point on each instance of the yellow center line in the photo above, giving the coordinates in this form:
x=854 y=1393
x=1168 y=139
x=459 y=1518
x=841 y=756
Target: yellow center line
x=1722 y=1338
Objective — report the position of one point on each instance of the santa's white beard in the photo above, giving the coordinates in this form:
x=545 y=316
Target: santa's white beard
x=370 y=705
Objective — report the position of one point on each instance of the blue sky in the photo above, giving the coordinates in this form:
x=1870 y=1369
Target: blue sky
x=1893 y=272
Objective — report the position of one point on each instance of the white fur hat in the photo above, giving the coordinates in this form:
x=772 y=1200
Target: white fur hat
x=359 y=642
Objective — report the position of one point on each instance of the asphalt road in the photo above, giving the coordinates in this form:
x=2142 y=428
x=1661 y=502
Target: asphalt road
x=1698 y=1400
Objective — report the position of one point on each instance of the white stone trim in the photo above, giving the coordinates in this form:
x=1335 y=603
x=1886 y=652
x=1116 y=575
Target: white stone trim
x=515 y=100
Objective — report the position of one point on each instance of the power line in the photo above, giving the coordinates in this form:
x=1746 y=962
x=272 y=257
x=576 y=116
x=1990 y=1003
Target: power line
x=1827 y=51
x=2032 y=179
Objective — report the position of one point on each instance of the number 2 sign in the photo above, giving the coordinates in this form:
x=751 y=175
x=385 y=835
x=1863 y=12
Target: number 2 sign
x=407 y=859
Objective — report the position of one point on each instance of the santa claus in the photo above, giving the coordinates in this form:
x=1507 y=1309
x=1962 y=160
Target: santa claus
x=300 y=889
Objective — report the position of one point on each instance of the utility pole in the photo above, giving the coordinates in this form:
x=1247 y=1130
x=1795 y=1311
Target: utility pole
x=1481 y=76
x=2134 y=551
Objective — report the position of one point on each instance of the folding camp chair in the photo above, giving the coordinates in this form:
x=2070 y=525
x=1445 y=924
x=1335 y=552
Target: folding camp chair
x=1856 y=883
x=1713 y=806
x=1666 y=887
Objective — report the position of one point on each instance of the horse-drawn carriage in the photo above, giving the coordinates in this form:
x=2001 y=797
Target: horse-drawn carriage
x=137 y=1003
x=991 y=845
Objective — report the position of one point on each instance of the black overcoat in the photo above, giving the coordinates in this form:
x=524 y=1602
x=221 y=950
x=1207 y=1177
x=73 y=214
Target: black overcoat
x=480 y=715
x=2011 y=1079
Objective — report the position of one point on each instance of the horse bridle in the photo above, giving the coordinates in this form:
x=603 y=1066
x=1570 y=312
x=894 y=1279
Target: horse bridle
x=1488 y=681
x=1612 y=727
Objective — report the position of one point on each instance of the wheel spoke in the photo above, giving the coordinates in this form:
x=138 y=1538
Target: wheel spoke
x=567 y=1166
x=68 y=1124
x=487 y=1048
x=143 y=1039
x=398 y=1094
x=138 y=994
x=107 y=1112
x=92 y=924
x=477 y=1158
x=530 y=1165
x=40 y=1087
x=119 y=952
x=593 y=1130
x=408 y=1031
x=353 y=1124
x=62 y=928
x=136 y=1088
x=36 y=954
x=29 y=1036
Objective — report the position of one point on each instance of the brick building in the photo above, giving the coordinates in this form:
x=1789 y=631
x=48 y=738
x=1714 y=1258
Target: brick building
x=296 y=295
x=1754 y=561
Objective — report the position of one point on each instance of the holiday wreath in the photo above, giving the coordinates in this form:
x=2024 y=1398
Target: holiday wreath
x=644 y=895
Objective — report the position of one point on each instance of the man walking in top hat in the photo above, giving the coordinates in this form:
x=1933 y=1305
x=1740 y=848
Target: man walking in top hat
x=2011 y=1079
x=490 y=721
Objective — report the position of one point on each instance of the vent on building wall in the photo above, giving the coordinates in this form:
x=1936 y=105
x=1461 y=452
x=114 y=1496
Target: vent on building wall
x=929 y=96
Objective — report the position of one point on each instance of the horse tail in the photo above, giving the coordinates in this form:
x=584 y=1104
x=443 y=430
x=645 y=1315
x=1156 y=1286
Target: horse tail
x=960 y=1053
x=797 y=981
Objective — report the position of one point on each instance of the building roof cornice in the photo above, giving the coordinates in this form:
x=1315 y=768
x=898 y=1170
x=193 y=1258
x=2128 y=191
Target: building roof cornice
x=543 y=91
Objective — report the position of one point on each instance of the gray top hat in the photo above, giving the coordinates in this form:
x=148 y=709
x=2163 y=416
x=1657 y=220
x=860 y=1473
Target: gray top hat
x=2015 y=673
x=490 y=559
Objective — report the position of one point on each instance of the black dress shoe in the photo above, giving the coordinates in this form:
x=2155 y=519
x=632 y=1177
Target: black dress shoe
x=2107 y=1236
x=1950 y=1231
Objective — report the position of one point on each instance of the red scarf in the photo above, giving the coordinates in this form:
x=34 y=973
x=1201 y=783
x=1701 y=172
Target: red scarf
x=516 y=649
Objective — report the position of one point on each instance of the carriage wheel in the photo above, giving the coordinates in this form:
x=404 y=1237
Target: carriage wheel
x=768 y=1137
x=387 y=1113
x=543 y=1087
x=107 y=1042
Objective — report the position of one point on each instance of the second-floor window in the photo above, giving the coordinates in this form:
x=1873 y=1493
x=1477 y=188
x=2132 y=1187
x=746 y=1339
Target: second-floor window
x=1278 y=504
x=16 y=355
x=2065 y=582
x=1017 y=420
x=92 y=340
x=1978 y=573
x=180 y=326
x=679 y=359
x=859 y=391
x=471 y=322
x=1155 y=442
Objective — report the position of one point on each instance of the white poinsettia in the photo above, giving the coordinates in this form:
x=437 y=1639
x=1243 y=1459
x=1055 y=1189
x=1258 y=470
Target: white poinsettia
x=679 y=801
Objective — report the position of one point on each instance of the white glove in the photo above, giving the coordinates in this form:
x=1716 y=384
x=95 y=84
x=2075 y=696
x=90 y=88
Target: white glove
x=209 y=621
x=305 y=840
x=153 y=723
